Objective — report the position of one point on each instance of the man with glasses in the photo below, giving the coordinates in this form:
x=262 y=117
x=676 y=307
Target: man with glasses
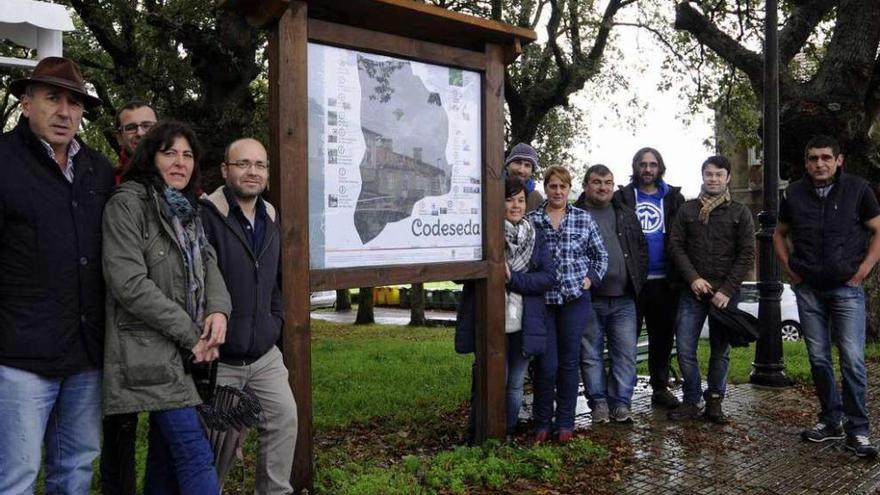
x=243 y=228
x=656 y=204
x=132 y=121
x=831 y=220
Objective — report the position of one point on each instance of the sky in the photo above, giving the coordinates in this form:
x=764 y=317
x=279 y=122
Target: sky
x=613 y=141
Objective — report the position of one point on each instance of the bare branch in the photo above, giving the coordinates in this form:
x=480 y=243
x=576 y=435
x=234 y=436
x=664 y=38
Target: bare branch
x=803 y=20
x=689 y=19
x=660 y=37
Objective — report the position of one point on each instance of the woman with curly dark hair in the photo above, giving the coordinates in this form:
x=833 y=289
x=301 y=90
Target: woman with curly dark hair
x=167 y=307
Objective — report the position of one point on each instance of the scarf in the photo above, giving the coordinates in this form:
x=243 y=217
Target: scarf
x=191 y=239
x=519 y=243
x=711 y=202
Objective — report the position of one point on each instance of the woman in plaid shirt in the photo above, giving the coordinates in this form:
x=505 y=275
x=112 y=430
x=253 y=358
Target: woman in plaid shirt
x=574 y=240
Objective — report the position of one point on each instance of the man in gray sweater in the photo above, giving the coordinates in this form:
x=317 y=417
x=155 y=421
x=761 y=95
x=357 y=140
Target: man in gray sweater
x=614 y=307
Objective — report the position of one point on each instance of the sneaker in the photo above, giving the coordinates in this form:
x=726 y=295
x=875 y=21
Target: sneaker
x=665 y=399
x=713 y=410
x=688 y=410
x=822 y=432
x=621 y=414
x=600 y=412
x=861 y=445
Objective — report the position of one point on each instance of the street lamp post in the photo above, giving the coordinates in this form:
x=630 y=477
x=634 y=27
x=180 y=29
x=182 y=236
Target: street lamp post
x=769 y=368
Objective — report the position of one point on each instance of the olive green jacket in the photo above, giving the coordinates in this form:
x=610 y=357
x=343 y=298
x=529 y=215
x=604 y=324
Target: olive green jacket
x=147 y=323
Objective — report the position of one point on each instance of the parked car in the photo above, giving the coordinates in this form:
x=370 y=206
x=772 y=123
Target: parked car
x=322 y=299
x=790 y=324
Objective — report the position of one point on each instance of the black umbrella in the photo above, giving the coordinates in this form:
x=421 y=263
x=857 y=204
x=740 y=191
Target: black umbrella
x=740 y=328
x=227 y=416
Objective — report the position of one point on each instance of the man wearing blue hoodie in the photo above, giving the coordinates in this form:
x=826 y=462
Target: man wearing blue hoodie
x=521 y=163
x=655 y=203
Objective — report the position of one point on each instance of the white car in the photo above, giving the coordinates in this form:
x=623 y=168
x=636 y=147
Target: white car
x=790 y=322
x=322 y=299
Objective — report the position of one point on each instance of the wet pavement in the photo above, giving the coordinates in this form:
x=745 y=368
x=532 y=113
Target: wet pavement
x=759 y=452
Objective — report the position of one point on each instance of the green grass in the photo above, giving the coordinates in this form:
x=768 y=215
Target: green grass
x=404 y=374
x=491 y=466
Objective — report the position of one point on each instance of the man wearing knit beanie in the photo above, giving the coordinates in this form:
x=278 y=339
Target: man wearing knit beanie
x=521 y=164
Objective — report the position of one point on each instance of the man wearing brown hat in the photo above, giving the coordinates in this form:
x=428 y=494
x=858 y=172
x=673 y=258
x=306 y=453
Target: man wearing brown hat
x=51 y=288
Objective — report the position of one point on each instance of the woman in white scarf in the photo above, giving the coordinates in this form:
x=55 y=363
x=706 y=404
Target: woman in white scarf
x=530 y=272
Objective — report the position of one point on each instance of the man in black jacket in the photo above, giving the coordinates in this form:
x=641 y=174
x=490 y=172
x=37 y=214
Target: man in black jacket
x=614 y=307
x=243 y=228
x=51 y=287
x=655 y=203
x=712 y=244
x=832 y=220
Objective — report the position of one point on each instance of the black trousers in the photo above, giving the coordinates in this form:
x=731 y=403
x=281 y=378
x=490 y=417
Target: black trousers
x=117 y=455
x=657 y=307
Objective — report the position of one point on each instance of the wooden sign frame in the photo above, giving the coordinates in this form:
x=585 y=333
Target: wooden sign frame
x=411 y=30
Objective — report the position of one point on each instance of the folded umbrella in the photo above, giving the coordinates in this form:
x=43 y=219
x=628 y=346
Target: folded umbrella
x=227 y=416
x=740 y=327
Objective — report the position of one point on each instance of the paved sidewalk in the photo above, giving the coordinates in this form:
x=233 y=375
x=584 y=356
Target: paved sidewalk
x=759 y=452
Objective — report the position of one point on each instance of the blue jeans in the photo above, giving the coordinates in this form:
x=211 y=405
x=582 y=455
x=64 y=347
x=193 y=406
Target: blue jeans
x=179 y=459
x=843 y=310
x=517 y=365
x=692 y=313
x=614 y=318
x=556 y=373
x=62 y=414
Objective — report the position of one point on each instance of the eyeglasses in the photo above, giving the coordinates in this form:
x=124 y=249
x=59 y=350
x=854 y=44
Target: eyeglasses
x=133 y=127
x=247 y=164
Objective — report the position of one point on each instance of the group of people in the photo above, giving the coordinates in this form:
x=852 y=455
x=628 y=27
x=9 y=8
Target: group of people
x=115 y=285
x=582 y=279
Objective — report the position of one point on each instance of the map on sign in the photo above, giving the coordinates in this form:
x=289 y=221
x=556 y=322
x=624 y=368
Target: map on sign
x=394 y=160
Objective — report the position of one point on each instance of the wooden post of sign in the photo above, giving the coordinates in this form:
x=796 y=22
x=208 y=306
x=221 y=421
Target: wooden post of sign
x=288 y=115
x=411 y=30
x=491 y=339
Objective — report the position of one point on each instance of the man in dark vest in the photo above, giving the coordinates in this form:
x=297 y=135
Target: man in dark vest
x=51 y=286
x=243 y=228
x=655 y=203
x=831 y=220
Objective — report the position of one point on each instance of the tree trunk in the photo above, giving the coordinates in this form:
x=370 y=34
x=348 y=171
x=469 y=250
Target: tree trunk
x=365 y=307
x=343 y=300
x=417 y=305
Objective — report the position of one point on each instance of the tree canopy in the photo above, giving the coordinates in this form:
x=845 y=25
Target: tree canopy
x=829 y=79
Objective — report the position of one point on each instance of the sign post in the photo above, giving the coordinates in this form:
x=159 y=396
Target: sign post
x=387 y=141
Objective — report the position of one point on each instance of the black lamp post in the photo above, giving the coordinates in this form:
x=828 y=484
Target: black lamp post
x=769 y=368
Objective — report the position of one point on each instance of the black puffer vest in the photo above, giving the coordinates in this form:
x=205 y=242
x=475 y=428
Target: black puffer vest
x=829 y=239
